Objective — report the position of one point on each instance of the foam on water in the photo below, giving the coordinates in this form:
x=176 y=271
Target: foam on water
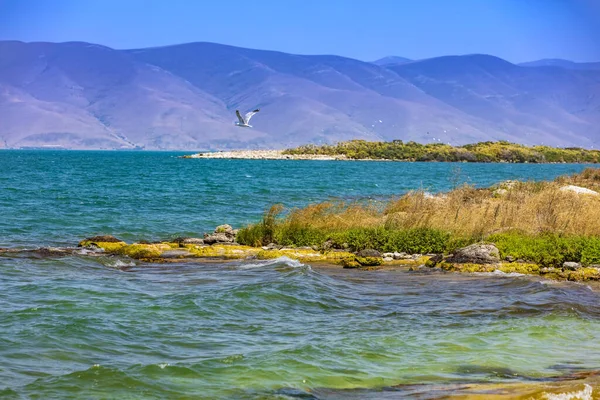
x=279 y=261
x=584 y=394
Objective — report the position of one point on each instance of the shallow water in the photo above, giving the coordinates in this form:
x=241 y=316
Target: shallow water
x=106 y=327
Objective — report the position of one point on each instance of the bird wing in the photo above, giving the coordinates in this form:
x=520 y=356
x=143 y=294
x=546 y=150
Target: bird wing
x=250 y=114
x=237 y=112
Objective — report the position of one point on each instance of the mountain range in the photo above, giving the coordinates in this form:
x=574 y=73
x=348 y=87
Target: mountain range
x=86 y=96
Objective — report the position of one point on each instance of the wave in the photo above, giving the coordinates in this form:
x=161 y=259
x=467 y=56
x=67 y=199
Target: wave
x=279 y=261
x=584 y=394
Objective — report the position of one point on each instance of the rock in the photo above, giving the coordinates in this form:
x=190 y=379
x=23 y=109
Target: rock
x=273 y=246
x=388 y=259
x=193 y=241
x=578 y=190
x=217 y=238
x=401 y=256
x=102 y=238
x=416 y=256
x=369 y=261
x=368 y=253
x=226 y=229
x=509 y=258
x=547 y=270
x=571 y=265
x=328 y=244
x=386 y=255
x=350 y=263
x=476 y=254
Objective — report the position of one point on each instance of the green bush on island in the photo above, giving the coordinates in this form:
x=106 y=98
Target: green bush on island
x=500 y=151
x=538 y=222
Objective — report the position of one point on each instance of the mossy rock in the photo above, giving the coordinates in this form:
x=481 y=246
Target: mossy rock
x=520 y=268
x=350 y=263
x=108 y=247
x=222 y=251
x=269 y=254
x=143 y=251
x=369 y=261
x=99 y=239
x=583 y=274
x=467 y=268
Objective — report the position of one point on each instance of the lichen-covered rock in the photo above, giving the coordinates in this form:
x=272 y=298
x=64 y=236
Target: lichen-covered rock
x=368 y=253
x=476 y=254
x=369 y=261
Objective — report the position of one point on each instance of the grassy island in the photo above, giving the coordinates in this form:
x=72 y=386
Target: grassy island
x=501 y=151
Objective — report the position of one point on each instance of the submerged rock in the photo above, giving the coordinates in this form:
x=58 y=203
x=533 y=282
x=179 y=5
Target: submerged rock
x=476 y=254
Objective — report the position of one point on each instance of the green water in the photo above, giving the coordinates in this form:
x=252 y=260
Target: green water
x=104 y=327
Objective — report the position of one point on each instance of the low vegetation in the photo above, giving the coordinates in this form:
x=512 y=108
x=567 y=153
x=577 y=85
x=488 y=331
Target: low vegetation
x=536 y=222
x=500 y=151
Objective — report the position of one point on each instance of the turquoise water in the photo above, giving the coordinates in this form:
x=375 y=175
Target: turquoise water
x=85 y=326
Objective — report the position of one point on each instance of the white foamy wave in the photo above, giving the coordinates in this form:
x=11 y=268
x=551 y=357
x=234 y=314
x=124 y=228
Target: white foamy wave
x=118 y=263
x=584 y=394
x=87 y=251
x=497 y=272
x=163 y=365
x=275 y=261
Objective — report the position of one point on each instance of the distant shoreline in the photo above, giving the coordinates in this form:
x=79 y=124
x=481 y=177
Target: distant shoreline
x=397 y=150
x=265 y=155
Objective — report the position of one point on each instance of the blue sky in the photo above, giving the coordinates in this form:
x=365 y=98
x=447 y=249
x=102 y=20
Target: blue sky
x=516 y=30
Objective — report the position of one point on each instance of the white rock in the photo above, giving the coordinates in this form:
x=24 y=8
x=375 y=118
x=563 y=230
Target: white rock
x=579 y=190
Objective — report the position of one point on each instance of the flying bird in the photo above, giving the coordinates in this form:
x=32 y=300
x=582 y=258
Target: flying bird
x=243 y=122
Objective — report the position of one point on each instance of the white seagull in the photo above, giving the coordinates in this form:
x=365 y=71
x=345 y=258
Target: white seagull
x=243 y=122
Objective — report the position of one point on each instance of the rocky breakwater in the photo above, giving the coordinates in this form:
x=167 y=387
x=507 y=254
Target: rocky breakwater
x=263 y=155
x=220 y=244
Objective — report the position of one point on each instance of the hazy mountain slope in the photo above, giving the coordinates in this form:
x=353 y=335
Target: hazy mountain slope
x=550 y=105
x=81 y=95
x=391 y=60
x=557 y=62
x=334 y=97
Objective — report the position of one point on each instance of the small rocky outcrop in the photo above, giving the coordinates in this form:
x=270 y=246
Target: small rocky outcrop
x=476 y=254
x=100 y=239
x=222 y=234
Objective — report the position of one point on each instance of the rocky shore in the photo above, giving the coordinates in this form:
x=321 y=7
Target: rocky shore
x=221 y=245
x=264 y=155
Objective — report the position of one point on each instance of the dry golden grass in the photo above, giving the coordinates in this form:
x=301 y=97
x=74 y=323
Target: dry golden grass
x=530 y=207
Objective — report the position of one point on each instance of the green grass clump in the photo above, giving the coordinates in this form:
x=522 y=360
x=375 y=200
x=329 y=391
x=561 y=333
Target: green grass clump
x=548 y=249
